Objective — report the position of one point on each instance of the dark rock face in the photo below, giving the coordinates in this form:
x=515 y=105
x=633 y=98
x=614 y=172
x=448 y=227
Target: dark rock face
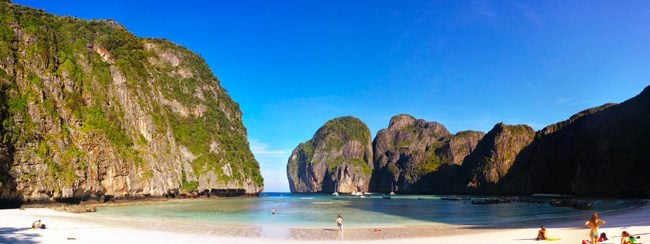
x=599 y=151
x=410 y=152
x=338 y=158
x=493 y=156
x=460 y=145
x=88 y=109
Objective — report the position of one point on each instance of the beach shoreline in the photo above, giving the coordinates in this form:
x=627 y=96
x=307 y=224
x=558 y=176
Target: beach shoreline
x=125 y=201
x=15 y=223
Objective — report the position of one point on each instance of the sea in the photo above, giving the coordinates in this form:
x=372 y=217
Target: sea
x=321 y=210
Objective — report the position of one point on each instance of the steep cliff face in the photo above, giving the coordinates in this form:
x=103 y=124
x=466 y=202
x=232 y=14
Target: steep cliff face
x=460 y=145
x=88 y=109
x=410 y=152
x=599 y=151
x=337 y=158
x=494 y=155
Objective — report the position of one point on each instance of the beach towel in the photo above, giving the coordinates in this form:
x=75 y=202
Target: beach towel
x=553 y=239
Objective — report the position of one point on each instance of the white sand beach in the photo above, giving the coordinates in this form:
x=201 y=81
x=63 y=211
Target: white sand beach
x=84 y=228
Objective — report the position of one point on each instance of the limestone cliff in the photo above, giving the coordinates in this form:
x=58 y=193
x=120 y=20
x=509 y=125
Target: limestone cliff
x=337 y=158
x=410 y=152
x=494 y=155
x=460 y=145
x=599 y=151
x=88 y=109
x=406 y=151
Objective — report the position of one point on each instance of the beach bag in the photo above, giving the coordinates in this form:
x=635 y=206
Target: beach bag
x=586 y=242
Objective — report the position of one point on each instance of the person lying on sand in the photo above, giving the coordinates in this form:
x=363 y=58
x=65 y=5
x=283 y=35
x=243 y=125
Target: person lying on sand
x=626 y=238
x=541 y=234
x=38 y=225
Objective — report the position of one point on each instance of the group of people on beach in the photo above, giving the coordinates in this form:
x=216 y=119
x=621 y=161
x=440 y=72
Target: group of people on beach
x=593 y=224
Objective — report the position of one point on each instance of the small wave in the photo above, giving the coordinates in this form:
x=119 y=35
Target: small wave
x=322 y=203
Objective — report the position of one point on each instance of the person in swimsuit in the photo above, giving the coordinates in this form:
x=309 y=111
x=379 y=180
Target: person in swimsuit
x=339 y=222
x=593 y=225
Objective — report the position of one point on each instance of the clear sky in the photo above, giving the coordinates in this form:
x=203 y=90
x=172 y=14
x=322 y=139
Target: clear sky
x=293 y=65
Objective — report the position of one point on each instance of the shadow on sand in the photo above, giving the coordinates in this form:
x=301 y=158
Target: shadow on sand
x=12 y=235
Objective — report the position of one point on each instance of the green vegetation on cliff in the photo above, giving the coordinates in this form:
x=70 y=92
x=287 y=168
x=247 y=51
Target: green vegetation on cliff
x=70 y=85
x=342 y=129
x=358 y=164
x=340 y=150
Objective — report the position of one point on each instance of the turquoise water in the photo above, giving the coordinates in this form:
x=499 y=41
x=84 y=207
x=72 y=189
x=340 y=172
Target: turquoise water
x=319 y=210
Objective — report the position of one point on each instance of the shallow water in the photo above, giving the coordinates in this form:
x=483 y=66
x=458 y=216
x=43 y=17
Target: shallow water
x=320 y=210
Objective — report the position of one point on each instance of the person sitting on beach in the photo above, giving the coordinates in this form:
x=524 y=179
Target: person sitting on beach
x=625 y=238
x=38 y=225
x=603 y=237
x=339 y=222
x=593 y=225
x=541 y=234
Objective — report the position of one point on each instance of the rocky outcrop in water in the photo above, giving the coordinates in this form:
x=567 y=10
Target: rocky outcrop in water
x=599 y=151
x=90 y=110
x=411 y=150
x=338 y=158
x=405 y=151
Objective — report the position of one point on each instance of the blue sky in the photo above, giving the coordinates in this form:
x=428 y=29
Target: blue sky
x=292 y=65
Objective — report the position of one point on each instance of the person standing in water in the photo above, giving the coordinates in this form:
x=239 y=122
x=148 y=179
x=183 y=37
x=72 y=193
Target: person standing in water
x=593 y=225
x=339 y=222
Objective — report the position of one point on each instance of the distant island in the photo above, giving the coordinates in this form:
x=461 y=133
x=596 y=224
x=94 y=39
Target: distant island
x=597 y=152
x=90 y=111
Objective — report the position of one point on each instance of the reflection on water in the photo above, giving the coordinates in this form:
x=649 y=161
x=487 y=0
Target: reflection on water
x=320 y=211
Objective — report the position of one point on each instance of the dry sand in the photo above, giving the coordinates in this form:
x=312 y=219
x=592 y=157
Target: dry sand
x=84 y=228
